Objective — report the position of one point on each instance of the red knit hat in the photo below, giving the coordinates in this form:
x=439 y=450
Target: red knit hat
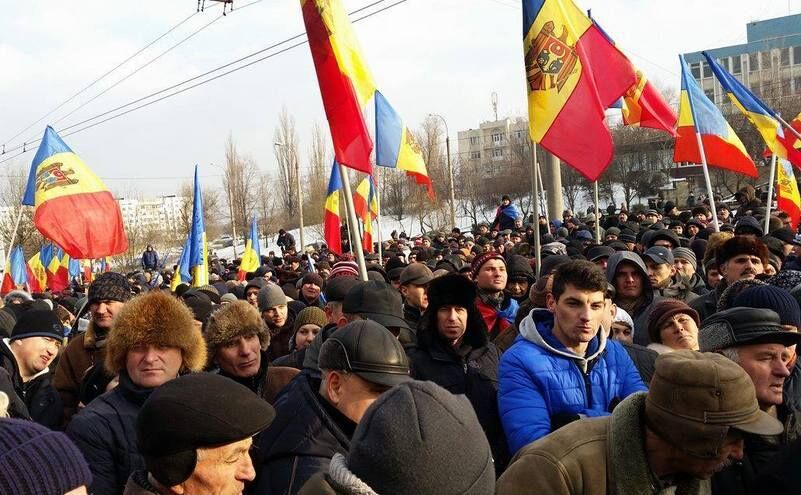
x=483 y=258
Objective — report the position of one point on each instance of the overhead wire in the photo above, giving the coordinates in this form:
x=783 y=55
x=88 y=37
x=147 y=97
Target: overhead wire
x=182 y=90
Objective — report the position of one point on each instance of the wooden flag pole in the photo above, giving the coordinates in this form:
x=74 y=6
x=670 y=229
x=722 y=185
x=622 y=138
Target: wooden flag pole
x=770 y=192
x=356 y=245
x=597 y=213
x=708 y=181
x=537 y=249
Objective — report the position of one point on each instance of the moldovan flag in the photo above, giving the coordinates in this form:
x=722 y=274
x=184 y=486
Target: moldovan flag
x=251 y=258
x=643 y=106
x=366 y=207
x=346 y=84
x=331 y=219
x=16 y=274
x=764 y=119
x=72 y=206
x=198 y=249
x=182 y=273
x=395 y=146
x=787 y=196
x=791 y=143
x=58 y=270
x=573 y=74
x=697 y=114
x=37 y=274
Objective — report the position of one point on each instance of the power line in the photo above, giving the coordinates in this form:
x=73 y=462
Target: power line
x=24 y=146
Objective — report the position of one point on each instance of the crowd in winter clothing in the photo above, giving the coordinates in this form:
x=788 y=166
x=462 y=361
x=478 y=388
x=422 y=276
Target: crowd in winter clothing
x=658 y=358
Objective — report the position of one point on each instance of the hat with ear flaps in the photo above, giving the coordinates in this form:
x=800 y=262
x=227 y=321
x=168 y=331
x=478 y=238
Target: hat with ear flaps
x=452 y=290
x=155 y=318
x=238 y=319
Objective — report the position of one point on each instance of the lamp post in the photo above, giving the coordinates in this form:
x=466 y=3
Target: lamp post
x=300 y=199
x=450 y=168
x=230 y=206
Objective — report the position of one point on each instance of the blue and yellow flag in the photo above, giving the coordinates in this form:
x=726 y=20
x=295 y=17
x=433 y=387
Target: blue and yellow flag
x=198 y=249
x=331 y=219
x=251 y=258
x=16 y=273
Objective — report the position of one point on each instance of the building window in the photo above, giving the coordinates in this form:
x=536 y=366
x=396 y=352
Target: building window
x=797 y=55
x=696 y=70
x=518 y=135
x=710 y=93
x=724 y=62
x=497 y=138
x=753 y=62
x=707 y=72
x=765 y=58
x=475 y=155
x=473 y=140
x=797 y=82
x=784 y=57
x=497 y=153
x=736 y=65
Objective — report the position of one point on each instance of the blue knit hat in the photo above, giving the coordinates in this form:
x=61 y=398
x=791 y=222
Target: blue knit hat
x=34 y=459
x=771 y=297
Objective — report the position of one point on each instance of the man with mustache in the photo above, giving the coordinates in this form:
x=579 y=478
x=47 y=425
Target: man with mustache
x=739 y=258
x=754 y=339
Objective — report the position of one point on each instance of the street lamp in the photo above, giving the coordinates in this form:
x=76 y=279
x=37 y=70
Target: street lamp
x=450 y=167
x=300 y=198
x=230 y=205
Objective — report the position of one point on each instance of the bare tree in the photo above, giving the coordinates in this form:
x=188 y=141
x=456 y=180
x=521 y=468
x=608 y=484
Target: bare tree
x=241 y=174
x=211 y=207
x=11 y=197
x=316 y=181
x=286 y=153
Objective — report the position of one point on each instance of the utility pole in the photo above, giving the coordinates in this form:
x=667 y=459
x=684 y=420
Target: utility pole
x=451 y=191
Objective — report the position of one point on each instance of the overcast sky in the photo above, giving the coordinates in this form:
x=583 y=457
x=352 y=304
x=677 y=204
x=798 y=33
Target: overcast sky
x=443 y=56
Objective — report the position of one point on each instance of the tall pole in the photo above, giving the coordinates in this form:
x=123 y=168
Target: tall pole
x=770 y=192
x=352 y=222
x=300 y=206
x=13 y=236
x=376 y=182
x=553 y=172
x=451 y=190
x=708 y=181
x=537 y=250
x=597 y=213
x=233 y=220
x=542 y=191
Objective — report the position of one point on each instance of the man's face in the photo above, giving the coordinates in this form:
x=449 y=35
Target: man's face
x=611 y=237
x=415 y=296
x=765 y=366
x=150 y=366
x=713 y=277
x=701 y=217
x=35 y=354
x=692 y=230
x=628 y=281
x=659 y=273
x=103 y=312
x=482 y=229
x=678 y=229
x=252 y=296
x=683 y=267
x=305 y=335
x=505 y=202
x=741 y=267
x=702 y=469
x=652 y=218
x=241 y=357
x=623 y=218
x=452 y=323
x=275 y=317
x=222 y=470
x=664 y=243
x=723 y=214
x=622 y=332
x=492 y=276
x=577 y=315
x=310 y=291
x=426 y=243
x=517 y=288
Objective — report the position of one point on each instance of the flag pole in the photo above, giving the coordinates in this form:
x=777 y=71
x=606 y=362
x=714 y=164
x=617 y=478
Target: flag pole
x=14 y=235
x=542 y=189
x=770 y=191
x=537 y=250
x=597 y=213
x=377 y=177
x=356 y=239
x=788 y=126
x=708 y=181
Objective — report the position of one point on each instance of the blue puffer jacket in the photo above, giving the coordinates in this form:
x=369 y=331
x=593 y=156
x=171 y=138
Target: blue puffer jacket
x=539 y=377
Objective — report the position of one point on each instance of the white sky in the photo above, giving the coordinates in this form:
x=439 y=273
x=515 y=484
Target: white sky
x=443 y=56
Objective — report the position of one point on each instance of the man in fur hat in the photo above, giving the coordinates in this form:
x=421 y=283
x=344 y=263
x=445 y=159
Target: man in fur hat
x=237 y=340
x=152 y=340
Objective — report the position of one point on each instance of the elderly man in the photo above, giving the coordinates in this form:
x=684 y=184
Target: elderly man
x=672 y=439
x=754 y=339
x=106 y=298
x=152 y=340
x=193 y=445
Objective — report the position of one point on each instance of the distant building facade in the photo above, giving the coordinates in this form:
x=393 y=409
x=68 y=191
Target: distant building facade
x=159 y=214
x=494 y=146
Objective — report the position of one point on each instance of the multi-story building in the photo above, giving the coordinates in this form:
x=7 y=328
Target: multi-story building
x=769 y=62
x=494 y=146
x=162 y=213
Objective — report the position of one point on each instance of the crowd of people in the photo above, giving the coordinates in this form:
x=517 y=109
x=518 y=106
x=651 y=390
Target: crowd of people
x=659 y=357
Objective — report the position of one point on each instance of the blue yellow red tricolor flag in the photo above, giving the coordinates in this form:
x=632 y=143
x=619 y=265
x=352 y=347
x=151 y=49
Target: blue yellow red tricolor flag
x=763 y=117
x=198 y=248
x=72 y=206
x=37 y=273
x=395 y=146
x=182 y=273
x=331 y=218
x=365 y=205
x=791 y=143
x=573 y=74
x=346 y=84
x=787 y=197
x=16 y=274
x=251 y=258
x=697 y=114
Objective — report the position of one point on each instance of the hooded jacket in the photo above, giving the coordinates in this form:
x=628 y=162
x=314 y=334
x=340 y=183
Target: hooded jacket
x=540 y=378
x=641 y=312
x=40 y=398
x=80 y=354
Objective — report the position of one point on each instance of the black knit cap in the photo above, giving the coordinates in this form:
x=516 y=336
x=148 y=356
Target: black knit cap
x=109 y=286
x=195 y=411
x=38 y=323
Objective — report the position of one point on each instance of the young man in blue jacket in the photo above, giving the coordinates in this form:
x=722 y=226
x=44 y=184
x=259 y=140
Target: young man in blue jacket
x=561 y=367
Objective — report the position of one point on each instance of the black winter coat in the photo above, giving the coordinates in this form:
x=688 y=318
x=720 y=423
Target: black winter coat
x=42 y=402
x=301 y=440
x=474 y=374
x=105 y=432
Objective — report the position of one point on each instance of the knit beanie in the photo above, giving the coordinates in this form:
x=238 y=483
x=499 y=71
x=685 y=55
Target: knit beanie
x=313 y=278
x=7 y=322
x=663 y=311
x=271 y=296
x=38 y=323
x=686 y=254
x=34 y=459
x=109 y=286
x=519 y=268
x=419 y=438
x=310 y=316
x=770 y=297
x=200 y=304
x=483 y=258
x=344 y=268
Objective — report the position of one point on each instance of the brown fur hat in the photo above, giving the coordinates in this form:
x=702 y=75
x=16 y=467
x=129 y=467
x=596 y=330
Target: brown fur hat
x=741 y=245
x=716 y=239
x=155 y=318
x=232 y=321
